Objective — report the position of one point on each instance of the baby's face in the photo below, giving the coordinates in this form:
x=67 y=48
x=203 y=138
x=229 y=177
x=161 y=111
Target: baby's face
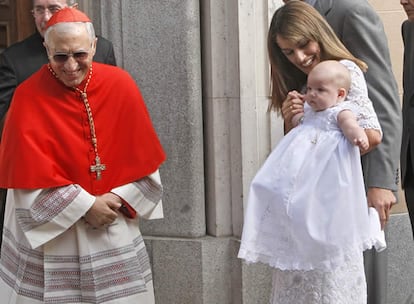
x=321 y=93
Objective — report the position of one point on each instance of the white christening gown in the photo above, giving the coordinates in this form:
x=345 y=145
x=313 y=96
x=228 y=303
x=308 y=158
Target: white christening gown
x=307 y=214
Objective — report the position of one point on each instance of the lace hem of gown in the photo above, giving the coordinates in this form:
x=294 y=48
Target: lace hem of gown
x=274 y=262
x=251 y=254
x=346 y=284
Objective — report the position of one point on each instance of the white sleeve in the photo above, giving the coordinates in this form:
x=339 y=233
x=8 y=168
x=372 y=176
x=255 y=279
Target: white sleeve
x=358 y=95
x=44 y=214
x=144 y=195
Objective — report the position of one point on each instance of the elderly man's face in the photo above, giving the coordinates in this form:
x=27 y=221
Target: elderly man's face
x=408 y=6
x=70 y=52
x=43 y=10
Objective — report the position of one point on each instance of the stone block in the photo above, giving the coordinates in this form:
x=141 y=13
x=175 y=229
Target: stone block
x=194 y=271
x=158 y=43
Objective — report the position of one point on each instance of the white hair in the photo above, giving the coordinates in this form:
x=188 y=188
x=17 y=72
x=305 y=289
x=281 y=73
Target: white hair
x=68 y=2
x=68 y=27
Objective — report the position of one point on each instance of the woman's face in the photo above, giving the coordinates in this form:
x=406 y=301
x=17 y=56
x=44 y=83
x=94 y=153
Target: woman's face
x=304 y=54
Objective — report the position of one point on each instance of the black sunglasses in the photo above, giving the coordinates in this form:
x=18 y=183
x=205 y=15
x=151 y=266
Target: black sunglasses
x=63 y=57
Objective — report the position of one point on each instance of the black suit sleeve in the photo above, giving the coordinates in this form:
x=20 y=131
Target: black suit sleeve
x=104 y=51
x=8 y=83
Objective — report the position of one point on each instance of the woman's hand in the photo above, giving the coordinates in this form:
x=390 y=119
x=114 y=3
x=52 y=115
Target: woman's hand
x=292 y=105
x=382 y=200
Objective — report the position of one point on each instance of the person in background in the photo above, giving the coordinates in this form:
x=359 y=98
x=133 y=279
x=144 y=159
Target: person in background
x=407 y=146
x=79 y=158
x=22 y=59
x=360 y=29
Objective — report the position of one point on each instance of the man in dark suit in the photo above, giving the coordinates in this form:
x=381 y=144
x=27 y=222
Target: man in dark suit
x=19 y=61
x=360 y=29
x=407 y=146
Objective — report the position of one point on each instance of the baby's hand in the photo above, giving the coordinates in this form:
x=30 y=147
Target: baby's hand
x=362 y=143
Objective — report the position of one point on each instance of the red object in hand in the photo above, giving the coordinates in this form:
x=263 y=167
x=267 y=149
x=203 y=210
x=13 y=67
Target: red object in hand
x=127 y=210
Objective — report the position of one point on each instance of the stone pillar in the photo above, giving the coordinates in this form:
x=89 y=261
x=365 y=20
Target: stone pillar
x=221 y=98
x=235 y=94
x=158 y=43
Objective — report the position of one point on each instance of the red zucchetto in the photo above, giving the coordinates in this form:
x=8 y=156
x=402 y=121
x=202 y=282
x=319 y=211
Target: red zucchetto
x=67 y=14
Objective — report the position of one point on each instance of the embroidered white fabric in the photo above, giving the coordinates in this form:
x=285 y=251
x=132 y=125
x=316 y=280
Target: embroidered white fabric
x=345 y=285
x=307 y=207
x=358 y=94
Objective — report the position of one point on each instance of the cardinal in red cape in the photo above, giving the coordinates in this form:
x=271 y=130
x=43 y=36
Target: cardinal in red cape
x=47 y=142
x=80 y=158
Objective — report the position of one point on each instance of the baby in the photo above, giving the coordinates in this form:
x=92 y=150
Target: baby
x=328 y=84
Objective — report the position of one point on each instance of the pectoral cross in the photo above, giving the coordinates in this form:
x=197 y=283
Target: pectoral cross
x=98 y=167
